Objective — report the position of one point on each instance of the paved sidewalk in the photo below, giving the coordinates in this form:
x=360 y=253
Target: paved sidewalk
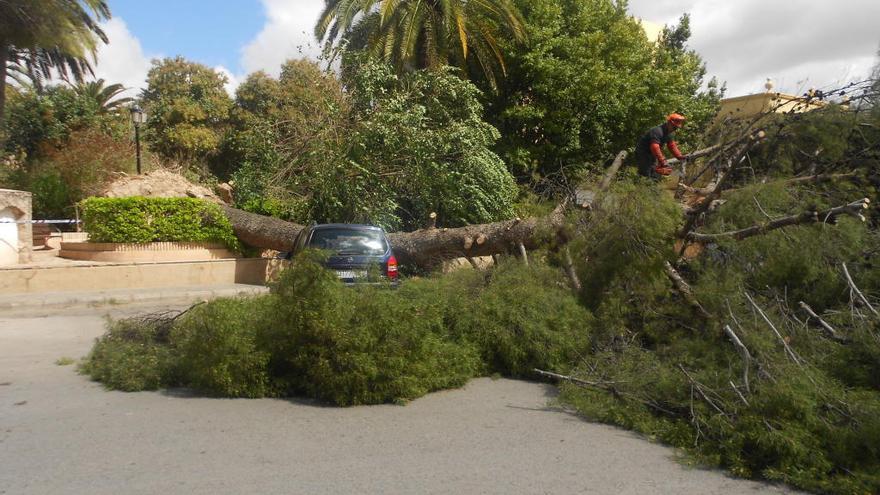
x=34 y=304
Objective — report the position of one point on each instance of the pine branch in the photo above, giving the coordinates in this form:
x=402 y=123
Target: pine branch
x=832 y=334
x=855 y=289
x=684 y=289
x=855 y=208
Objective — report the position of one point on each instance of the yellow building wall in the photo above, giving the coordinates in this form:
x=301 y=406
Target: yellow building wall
x=742 y=107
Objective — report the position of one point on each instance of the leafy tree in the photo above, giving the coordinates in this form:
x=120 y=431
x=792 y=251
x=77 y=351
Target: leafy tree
x=424 y=135
x=39 y=121
x=283 y=130
x=389 y=150
x=41 y=35
x=188 y=109
x=417 y=34
x=589 y=83
x=106 y=97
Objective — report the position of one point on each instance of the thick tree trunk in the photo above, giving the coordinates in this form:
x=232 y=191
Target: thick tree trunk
x=261 y=231
x=430 y=246
x=426 y=247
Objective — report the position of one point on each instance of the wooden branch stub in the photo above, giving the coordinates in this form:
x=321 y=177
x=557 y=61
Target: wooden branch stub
x=829 y=330
x=767 y=320
x=612 y=171
x=570 y=269
x=741 y=396
x=743 y=352
x=432 y=220
x=481 y=239
x=856 y=290
x=468 y=242
x=684 y=289
x=523 y=253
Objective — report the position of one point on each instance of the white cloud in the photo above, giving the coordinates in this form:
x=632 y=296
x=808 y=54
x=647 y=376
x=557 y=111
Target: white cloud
x=232 y=81
x=122 y=60
x=288 y=33
x=798 y=43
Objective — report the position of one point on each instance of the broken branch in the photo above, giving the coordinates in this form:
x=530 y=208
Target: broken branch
x=744 y=352
x=855 y=289
x=684 y=289
x=825 y=326
x=785 y=345
x=853 y=208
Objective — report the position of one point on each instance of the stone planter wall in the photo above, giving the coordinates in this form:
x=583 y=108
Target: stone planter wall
x=149 y=252
x=15 y=238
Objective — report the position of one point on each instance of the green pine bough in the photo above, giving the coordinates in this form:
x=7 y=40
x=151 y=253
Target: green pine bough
x=142 y=220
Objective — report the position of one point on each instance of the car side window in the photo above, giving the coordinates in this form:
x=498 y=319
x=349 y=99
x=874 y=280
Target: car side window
x=300 y=240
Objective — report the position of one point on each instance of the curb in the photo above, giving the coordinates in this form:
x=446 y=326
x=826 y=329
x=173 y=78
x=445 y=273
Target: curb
x=19 y=303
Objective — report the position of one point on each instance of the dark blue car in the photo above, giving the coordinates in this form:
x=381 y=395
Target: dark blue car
x=354 y=250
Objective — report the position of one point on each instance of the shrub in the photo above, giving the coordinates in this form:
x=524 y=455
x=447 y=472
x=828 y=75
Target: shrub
x=88 y=160
x=51 y=195
x=133 y=355
x=364 y=345
x=525 y=318
x=626 y=241
x=361 y=346
x=216 y=345
x=156 y=220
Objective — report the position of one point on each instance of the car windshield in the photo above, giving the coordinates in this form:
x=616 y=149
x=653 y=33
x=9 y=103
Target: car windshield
x=349 y=241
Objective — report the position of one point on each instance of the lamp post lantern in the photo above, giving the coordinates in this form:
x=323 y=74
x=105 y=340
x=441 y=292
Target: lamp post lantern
x=137 y=118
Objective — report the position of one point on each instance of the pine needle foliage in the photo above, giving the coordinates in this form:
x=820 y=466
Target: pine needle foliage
x=314 y=337
x=802 y=408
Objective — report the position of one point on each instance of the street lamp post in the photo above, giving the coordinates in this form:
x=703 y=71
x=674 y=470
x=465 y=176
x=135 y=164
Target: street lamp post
x=137 y=118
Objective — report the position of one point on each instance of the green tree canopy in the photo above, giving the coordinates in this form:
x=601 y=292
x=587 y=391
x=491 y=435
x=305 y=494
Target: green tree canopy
x=40 y=35
x=589 y=83
x=417 y=34
x=39 y=120
x=389 y=150
x=424 y=134
x=304 y=106
x=187 y=109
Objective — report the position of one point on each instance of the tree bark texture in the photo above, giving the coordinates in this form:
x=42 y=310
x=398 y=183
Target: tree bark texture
x=425 y=248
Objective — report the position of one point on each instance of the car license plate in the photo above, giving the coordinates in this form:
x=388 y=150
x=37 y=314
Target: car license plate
x=351 y=273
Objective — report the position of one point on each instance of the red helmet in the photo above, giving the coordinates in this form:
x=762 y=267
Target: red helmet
x=676 y=120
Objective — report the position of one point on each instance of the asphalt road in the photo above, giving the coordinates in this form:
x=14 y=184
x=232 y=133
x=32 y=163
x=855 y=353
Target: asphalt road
x=62 y=434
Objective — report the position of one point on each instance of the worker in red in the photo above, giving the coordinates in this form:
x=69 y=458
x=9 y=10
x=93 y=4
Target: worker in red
x=649 y=155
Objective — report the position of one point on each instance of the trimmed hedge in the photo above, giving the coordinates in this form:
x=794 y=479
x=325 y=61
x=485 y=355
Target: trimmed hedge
x=141 y=220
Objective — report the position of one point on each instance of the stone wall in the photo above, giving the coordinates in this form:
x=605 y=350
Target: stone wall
x=16 y=205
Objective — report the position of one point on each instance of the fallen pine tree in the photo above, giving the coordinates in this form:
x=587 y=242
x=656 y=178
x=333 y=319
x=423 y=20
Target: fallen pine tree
x=757 y=350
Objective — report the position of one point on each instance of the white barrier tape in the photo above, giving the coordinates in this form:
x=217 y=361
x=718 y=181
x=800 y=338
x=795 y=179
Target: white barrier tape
x=41 y=221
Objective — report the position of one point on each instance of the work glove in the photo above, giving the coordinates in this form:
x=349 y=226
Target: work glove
x=663 y=169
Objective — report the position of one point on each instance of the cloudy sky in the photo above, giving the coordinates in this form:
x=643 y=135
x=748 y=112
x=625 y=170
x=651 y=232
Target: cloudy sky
x=798 y=43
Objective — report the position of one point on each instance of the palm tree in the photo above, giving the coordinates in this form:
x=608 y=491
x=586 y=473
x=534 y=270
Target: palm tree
x=103 y=96
x=41 y=35
x=415 y=34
